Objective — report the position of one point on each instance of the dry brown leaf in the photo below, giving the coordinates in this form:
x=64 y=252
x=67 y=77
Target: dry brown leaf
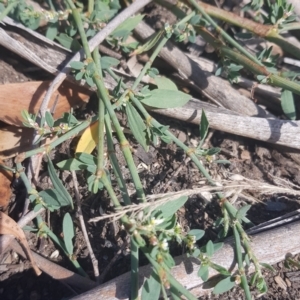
x=5 y=190
x=9 y=226
x=15 y=97
x=14 y=140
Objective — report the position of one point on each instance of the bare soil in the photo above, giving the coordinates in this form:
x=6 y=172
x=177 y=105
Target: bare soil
x=247 y=157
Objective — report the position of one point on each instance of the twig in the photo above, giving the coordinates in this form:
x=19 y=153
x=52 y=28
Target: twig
x=186 y=161
x=83 y=228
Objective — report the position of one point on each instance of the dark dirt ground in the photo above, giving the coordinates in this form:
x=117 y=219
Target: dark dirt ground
x=248 y=157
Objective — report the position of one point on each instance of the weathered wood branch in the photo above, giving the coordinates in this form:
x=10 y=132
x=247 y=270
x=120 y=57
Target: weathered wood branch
x=280 y=132
x=269 y=246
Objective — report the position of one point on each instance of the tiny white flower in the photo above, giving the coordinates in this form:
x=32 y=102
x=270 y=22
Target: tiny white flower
x=164 y=245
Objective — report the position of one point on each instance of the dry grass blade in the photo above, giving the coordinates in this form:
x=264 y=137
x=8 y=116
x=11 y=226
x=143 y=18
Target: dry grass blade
x=229 y=187
x=9 y=226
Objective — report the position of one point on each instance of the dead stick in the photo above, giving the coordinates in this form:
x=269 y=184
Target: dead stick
x=280 y=132
x=57 y=272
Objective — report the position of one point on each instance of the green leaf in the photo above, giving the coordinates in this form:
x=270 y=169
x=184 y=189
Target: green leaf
x=52 y=198
x=213 y=151
x=89 y=81
x=218 y=246
x=151 y=288
x=198 y=233
x=168 y=223
x=267 y=266
x=253 y=278
x=153 y=72
x=209 y=248
x=168 y=260
x=224 y=285
x=68 y=231
x=79 y=76
x=86 y=158
x=127 y=26
x=203 y=126
x=52 y=30
x=49 y=119
x=170 y=208
x=58 y=186
x=288 y=104
x=160 y=98
x=68 y=42
x=241 y=213
x=137 y=125
x=73 y=164
x=164 y=83
x=220 y=269
x=77 y=65
x=108 y=62
x=149 y=44
x=203 y=272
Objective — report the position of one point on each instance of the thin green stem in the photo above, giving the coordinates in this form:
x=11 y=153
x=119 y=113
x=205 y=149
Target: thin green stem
x=104 y=96
x=114 y=161
x=172 y=281
x=123 y=142
x=7 y=10
x=134 y=259
x=80 y=27
x=147 y=66
x=20 y=171
x=255 y=68
x=239 y=258
x=74 y=131
x=110 y=191
x=101 y=117
x=45 y=229
x=90 y=6
x=125 y=220
x=223 y=33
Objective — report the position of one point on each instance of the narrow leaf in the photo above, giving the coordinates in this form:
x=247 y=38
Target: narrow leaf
x=288 y=104
x=73 y=164
x=267 y=266
x=127 y=26
x=241 y=213
x=57 y=184
x=49 y=119
x=170 y=208
x=151 y=288
x=53 y=199
x=86 y=158
x=68 y=231
x=149 y=44
x=68 y=42
x=224 y=286
x=204 y=125
x=166 y=99
x=203 y=272
x=137 y=125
